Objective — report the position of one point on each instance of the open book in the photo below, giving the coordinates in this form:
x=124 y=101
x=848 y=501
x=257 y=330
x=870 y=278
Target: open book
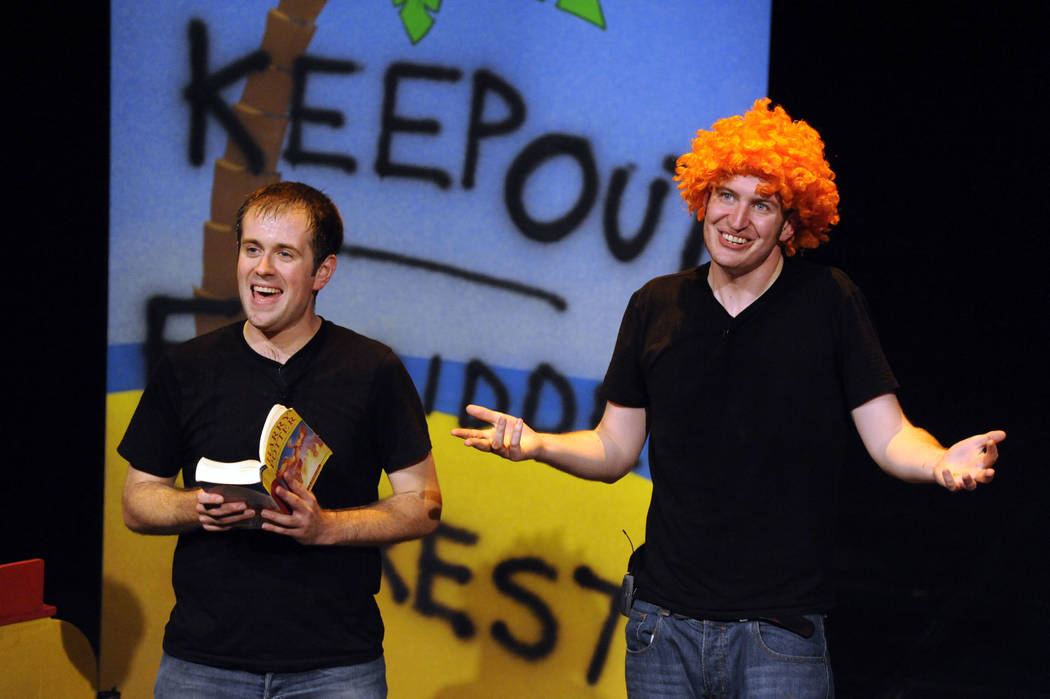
x=288 y=450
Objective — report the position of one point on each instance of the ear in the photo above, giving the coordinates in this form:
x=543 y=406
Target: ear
x=787 y=231
x=703 y=207
x=324 y=272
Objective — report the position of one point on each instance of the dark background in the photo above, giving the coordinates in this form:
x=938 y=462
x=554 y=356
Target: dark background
x=934 y=118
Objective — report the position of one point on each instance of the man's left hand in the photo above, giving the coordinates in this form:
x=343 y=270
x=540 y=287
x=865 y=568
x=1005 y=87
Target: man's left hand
x=308 y=521
x=969 y=462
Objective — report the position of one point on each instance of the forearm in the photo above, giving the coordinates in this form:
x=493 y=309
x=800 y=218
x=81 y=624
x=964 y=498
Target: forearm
x=911 y=454
x=590 y=454
x=606 y=453
x=400 y=517
x=157 y=508
x=899 y=448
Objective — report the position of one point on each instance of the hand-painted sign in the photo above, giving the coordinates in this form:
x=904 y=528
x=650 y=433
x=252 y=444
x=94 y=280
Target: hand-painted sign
x=503 y=170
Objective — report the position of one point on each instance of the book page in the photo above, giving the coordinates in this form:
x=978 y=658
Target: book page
x=271 y=418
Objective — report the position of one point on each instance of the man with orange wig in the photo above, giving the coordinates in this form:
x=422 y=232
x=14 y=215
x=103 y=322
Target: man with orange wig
x=745 y=374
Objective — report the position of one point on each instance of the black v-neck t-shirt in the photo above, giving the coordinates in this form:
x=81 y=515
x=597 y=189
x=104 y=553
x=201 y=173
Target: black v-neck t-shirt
x=253 y=600
x=748 y=422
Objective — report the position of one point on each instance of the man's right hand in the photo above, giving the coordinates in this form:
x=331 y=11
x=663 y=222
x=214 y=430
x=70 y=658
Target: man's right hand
x=605 y=453
x=522 y=442
x=216 y=515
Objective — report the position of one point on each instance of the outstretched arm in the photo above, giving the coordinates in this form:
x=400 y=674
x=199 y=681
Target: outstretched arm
x=606 y=453
x=912 y=454
x=412 y=511
x=153 y=505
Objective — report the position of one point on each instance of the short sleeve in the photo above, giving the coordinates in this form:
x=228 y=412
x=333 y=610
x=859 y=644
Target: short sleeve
x=866 y=373
x=624 y=382
x=151 y=442
x=400 y=423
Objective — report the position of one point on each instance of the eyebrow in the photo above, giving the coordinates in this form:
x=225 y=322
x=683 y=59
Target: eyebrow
x=279 y=246
x=752 y=197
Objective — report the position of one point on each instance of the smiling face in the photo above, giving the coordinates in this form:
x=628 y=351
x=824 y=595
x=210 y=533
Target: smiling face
x=276 y=278
x=743 y=229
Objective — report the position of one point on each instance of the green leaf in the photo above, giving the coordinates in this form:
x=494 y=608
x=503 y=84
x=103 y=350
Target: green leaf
x=416 y=18
x=590 y=10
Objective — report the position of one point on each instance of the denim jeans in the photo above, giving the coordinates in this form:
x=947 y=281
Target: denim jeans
x=178 y=679
x=669 y=655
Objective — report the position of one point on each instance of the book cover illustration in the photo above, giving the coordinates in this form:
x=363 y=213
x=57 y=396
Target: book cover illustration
x=293 y=452
x=289 y=450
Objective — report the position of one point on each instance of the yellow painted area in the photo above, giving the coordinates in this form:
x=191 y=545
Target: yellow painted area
x=44 y=658
x=516 y=510
x=136 y=577
x=508 y=510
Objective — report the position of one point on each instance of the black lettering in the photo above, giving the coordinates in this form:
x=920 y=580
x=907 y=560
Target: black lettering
x=599 y=407
x=586 y=578
x=503 y=577
x=546 y=374
x=433 y=379
x=203 y=95
x=398 y=587
x=535 y=154
x=299 y=112
x=477 y=371
x=628 y=249
x=160 y=308
x=694 y=246
x=485 y=82
x=467 y=275
x=694 y=242
x=430 y=567
x=393 y=122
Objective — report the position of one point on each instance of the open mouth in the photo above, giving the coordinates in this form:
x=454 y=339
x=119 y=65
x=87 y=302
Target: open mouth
x=265 y=292
x=734 y=239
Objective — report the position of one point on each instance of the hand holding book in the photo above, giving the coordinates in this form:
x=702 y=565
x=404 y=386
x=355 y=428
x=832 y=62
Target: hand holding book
x=289 y=450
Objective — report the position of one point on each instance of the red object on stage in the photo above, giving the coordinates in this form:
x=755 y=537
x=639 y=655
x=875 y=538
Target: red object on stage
x=22 y=592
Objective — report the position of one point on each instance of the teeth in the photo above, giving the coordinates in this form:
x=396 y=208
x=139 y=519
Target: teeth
x=266 y=290
x=734 y=239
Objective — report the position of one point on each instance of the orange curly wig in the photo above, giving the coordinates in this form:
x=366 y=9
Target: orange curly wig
x=788 y=155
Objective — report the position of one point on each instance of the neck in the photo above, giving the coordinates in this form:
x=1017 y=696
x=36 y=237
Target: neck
x=281 y=346
x=736 y=293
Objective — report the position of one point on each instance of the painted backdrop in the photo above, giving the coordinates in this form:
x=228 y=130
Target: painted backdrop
x=504 y=174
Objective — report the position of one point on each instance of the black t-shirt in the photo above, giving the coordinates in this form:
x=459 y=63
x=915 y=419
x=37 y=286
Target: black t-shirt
x=748 y=425
x=253 y=600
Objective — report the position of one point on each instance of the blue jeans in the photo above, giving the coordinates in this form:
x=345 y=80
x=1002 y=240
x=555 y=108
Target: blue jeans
x=178 y=679
x=669 y=655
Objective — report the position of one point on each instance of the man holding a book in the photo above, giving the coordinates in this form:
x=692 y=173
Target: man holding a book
x=267 y=600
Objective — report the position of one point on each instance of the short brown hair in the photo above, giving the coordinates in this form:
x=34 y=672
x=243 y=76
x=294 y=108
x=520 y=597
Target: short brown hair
x=278 y=198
